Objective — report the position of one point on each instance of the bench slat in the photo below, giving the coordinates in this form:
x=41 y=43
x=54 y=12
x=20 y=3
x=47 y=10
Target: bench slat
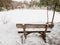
x=33 y=31
x=32 y=26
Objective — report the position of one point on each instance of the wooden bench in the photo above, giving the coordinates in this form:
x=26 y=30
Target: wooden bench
x=43 y=33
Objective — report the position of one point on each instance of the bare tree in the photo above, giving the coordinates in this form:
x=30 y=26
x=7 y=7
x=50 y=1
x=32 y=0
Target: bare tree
x=5 y=3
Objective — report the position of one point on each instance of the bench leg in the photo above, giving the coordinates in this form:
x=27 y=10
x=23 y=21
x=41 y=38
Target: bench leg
x=43 y=35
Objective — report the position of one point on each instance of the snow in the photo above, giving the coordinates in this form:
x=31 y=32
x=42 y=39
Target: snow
x=29 y=16
x=9 y=32
x=53 y=37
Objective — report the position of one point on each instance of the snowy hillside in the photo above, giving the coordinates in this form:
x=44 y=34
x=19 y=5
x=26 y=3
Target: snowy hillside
x=9 y=32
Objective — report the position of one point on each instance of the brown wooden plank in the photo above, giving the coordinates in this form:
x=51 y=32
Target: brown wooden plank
x=36 y=26
x=19 y=25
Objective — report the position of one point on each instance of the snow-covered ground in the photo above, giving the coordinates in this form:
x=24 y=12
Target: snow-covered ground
x=9 y=33
x=28 y=16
